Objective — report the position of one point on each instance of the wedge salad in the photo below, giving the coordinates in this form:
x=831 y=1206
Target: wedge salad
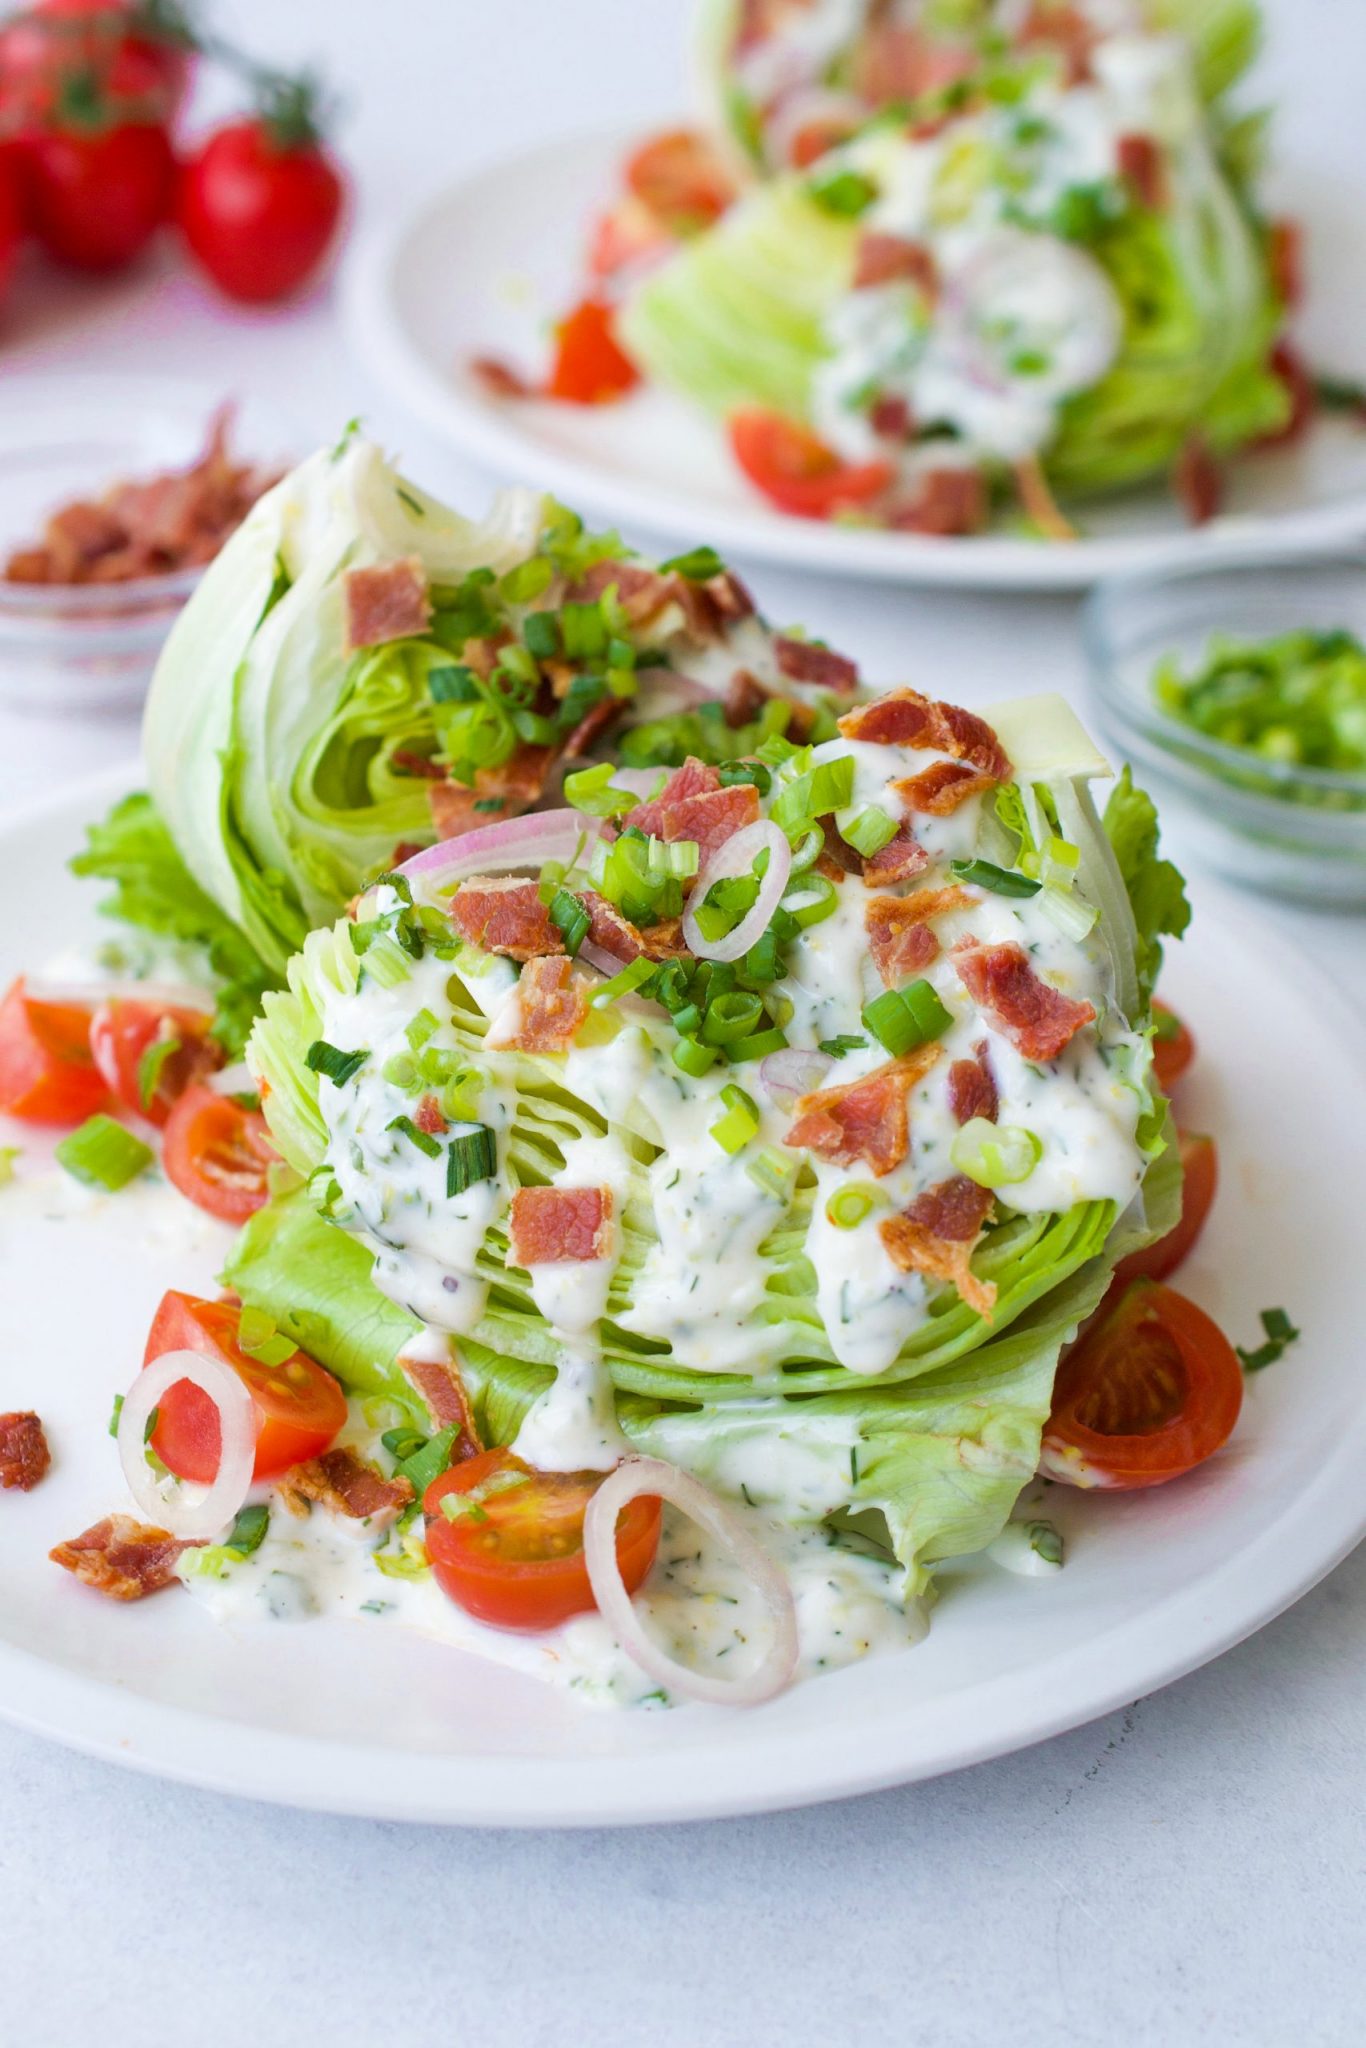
x=665 y=1208
x=932 y=265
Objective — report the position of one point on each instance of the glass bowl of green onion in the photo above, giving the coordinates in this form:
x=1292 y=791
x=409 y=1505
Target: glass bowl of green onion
x=1238 y=691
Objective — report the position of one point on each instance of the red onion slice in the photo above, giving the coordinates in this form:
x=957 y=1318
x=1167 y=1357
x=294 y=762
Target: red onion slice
x=215 y=1509
x=652 y=1477
x=792 y=1073
x=513 y=843
x=736 y=856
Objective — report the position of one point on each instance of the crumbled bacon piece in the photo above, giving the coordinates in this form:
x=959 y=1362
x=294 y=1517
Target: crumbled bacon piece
x=427 y=1116
x=894 y=61
x=884 y=259
x=938 y=1234
x=694 y=804
x=890 y=416
x=745 y=698
x=420 y=765
x=591 y=727
x=900 y=860
x=500 y=379
x=1198 y=481
x=386 y=602
x=341 y=1481
x=1142 y=169
x=806 y=661
x=665 y=940
x=900 y=937
x=708 y=606
x=543 y=1012
x=865 y=1119
x=442 y=1387
x=837 y=858
x=905 y=718
x=972 y=1088
x=547 y=1225
x=122 y=1558
x=941 y=788
x=500 y=792
x=1285 y=261
x=24 y=1455
x=1038 y=1019
x=608 y=929
x=505 y=915
x=949 y=502
x=1065 y=29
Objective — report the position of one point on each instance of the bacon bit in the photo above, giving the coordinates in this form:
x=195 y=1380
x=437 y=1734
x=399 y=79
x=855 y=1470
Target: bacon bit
x=549 y=1225
x=418 y=764
x=178 y=520
x=404 y=851
x=937 y=1236
x=341 y=1481
x=24 y=1455
x=1066 y=30
x=1198 y=481
x=890 y=416
x=543 y=1012
x=442 y=1387
x=899 y=63
x=694 y=805
x=745 y=698
x=865 y=1119
x=427 y=1116
x=646 y=594
x=694 y=778
x=608 y=929
x=122 y=1558
x=1039 y=503
x=942 y=788
x=1038 y=1019
x=1143 y=170
x=1286 y=363
x=900 y=860
x=665 y=940
x=806 y=661
x=388 y=602
x=591 y=727
x=899 y=935
x=504 y=915
x=972 y=1087
x=837 y=858
x=1285 y=261
x=501 y=380
x=949 y=502
x=515 y=786
x=904 y=718
x=814 y=138
x=885 y=259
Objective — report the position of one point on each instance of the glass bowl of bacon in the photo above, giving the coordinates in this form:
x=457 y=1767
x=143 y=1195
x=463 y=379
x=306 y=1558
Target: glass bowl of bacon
x=1238 y=691
x=115 y=491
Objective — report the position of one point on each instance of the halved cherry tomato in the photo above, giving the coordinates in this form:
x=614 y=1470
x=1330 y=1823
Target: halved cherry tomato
x=299 y=1406
x=126 y=1038
x=1150 y=1389
x=1173 y=1047
x=510 y=1548
x=218 y=1154
x=814 y=138
x=1199 y=1180
x=590 y=367
x=790 y=465
x=627 y=233
x=681 y=179
x=47 y=1074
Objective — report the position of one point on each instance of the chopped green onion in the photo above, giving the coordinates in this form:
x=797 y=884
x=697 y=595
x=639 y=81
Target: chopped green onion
x=757 y=1047
x=692 y=1058
x=114 y=1414
x=322 y=1058
x=473 y=1157
x=103 y=1154
x=849 y=1206
x=1045 y=1541
x=452 y=684
x=541 y=633
x=814 y=795
x=623 y=984
x=774 y=1172
x=151 y=1066
x=1001 y=881
x=424 y=1140
x=592 y=790
x=1280 y=1334
x=260 y=1338
x=902 y=1018
x=740 y=1123
x=838 y=1047
x=420 y=1029
x=730 y=1017
x=995 y=1155
x=699 y=565
x=816 y=900
x=401 y=1443
x=583 y=630
x=527 y=580
x=400 y=1070
x=570 y=919
x=870 y=831
x=845 y=193
x=248 y=1531
x=429 y=1460
x=734 y=774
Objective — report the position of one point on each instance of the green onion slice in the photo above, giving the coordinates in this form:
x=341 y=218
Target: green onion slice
x=995 y=1155
x=1001 y=881
x=103 y=1154
x=322 y=1058
x=473 y=1156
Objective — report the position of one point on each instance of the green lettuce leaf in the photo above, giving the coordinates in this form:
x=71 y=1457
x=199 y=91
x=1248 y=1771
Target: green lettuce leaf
x=1156 y=887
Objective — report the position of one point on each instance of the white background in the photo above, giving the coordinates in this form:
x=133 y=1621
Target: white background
x=1188 y=1870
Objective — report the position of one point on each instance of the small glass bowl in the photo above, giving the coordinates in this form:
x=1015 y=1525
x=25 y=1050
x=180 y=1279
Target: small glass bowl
x=92 y=647
x=1268 y=825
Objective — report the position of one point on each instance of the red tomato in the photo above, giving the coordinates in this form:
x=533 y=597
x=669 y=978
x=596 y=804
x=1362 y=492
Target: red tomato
x=99 y=196
x=1286 y=363
x=124 y=1036
x=299 y=1406
x=218 y=1154
x=813 y=139
x=1285 y=261
x=513 y=1554
x=57 y=41
x=11 y=218
x=626 y=234
x=1199 y=1181
x=1150 y=1389
x=796 y=470
x=259 y=214
x=589 y=366
x=682 y=181
x=1173 y=1047
x=47 y=1074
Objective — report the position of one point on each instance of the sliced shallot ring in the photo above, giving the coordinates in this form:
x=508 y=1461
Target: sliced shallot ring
x=216 y=1508
x=513 y=843
x=792 y=1073
x=735 y=856
x=652 y=1478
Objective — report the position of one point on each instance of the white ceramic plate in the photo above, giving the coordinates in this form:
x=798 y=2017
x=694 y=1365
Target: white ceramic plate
x=480 y=268
x=354 y=1718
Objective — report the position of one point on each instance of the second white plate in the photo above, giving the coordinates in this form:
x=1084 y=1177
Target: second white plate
x=483 y=266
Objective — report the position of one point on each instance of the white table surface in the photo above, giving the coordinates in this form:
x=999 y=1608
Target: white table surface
x=1188 y=1870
